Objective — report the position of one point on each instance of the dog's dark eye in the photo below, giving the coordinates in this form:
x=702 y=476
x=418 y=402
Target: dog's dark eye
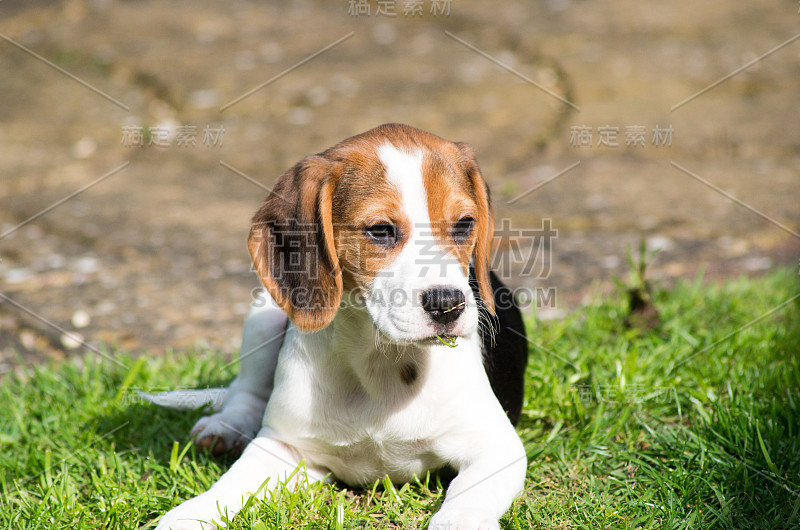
x=462 y=229
x=384 y=234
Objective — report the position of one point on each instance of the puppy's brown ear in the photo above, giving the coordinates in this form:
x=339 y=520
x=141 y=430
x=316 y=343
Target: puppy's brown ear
x=291 y=243
x=484 y=224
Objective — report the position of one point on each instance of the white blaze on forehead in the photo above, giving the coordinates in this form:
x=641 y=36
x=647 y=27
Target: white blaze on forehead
x=404 y=172
x=422 y=260
x=394 y=301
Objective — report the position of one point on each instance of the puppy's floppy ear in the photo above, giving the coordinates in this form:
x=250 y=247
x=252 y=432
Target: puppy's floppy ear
x=291 y=243
x=484 y=224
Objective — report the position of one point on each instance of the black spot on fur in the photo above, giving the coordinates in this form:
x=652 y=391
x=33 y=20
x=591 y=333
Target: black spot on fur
x=409 y=373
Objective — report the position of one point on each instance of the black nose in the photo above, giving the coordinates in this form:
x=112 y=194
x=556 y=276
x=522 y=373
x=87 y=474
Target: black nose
x=444 y=305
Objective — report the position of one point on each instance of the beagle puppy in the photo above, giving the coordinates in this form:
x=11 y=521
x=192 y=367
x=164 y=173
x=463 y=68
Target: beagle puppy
x=377 y=349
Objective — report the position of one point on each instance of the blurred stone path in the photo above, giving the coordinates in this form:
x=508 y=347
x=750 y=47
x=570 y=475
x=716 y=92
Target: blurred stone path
x=567 y=104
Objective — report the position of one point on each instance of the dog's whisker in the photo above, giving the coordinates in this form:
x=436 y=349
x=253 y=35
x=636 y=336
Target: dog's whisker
x=457 y=306
x=398 y=354
x=486 y=321
x=381 y=344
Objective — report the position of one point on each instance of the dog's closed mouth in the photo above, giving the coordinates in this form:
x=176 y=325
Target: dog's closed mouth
x=446 y=339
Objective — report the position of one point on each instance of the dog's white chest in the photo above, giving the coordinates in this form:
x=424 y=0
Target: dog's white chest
x=360 y=434
x=358 y=445
x=361 y=461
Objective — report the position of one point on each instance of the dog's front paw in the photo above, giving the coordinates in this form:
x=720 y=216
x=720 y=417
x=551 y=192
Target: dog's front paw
x=188 y=517
x=463 y=519
x=222 y=432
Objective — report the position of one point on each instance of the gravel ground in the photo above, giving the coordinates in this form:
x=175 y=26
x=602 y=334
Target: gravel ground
x=590 y=119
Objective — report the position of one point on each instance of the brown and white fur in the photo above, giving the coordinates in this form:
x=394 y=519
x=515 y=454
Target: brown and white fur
x=368 y=249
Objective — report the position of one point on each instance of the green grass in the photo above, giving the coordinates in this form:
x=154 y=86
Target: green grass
x=692 y=425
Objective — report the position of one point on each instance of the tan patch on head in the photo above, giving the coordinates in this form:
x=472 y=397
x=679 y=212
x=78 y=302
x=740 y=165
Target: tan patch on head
x=450 y=199
x=318 y=210
x=364 y=197
x=455 y=189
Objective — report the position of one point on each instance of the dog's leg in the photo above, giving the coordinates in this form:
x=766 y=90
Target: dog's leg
x=264 y=464
x=241 y=415
x=488 y=481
